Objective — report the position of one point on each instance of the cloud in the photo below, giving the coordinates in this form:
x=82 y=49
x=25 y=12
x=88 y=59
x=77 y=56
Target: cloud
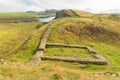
x=102 y=5
x=10 y=5
x=38 y=5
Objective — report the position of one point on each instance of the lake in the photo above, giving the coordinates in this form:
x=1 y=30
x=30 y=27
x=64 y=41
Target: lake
x=48 y=19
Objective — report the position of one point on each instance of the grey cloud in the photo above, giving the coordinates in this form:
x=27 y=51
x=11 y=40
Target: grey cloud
x=38 y=5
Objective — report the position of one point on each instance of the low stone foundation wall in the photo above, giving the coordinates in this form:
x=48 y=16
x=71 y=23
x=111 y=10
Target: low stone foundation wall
x=65 y=45
x=78 y=60
x=36 y=59
x=99 y=59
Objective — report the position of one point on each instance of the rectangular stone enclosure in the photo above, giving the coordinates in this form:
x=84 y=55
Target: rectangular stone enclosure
x=98 y=58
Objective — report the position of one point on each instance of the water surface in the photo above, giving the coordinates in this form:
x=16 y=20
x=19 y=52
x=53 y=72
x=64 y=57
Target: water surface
x=48 y=19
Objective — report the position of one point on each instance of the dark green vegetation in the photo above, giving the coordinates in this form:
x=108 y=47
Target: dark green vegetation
x=19 y=42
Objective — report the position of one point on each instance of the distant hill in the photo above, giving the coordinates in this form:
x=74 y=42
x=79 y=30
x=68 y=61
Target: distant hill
x=94 y=26
x=71 y=13
x=117 y=11
x=48 y=12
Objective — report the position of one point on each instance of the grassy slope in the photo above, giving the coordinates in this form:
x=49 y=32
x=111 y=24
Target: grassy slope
x=105 y=39
x=48 y=70
x=29 y=49
x=83 y=14
x=61 y=33
x=19 y=38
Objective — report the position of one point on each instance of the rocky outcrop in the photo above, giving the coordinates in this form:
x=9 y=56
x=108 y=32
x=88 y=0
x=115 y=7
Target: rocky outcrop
x=66 y=13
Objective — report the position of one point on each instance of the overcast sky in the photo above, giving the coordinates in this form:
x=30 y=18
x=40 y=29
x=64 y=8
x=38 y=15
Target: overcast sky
x=38 y=5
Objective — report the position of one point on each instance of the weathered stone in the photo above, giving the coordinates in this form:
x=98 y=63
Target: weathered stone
x=65 y=45
x=79 y=60
x=91 y=50
x=66 y=13
x=37 y=57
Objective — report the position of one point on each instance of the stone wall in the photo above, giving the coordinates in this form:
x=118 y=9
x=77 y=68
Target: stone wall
x=37 y=57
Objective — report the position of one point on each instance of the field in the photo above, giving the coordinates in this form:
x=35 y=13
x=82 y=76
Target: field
x=19 y=42
x=18 y=14
x=24 y=14
x=15 y=17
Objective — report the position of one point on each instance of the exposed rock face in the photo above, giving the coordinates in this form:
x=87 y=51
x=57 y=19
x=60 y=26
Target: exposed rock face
x=61 y=14
x=66 y=13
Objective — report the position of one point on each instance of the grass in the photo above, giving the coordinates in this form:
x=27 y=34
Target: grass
x=76 y=31
x=16 y=17
x=29 y=49
x=68 y=52
x=14 y=34
x=20 y=41
x=48 y=70
x=83 y=14
x=18 y=14
x=23 y=14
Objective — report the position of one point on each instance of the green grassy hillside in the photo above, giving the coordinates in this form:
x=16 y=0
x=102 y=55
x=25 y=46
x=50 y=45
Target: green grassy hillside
x=104 y=36
x=20 y=41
